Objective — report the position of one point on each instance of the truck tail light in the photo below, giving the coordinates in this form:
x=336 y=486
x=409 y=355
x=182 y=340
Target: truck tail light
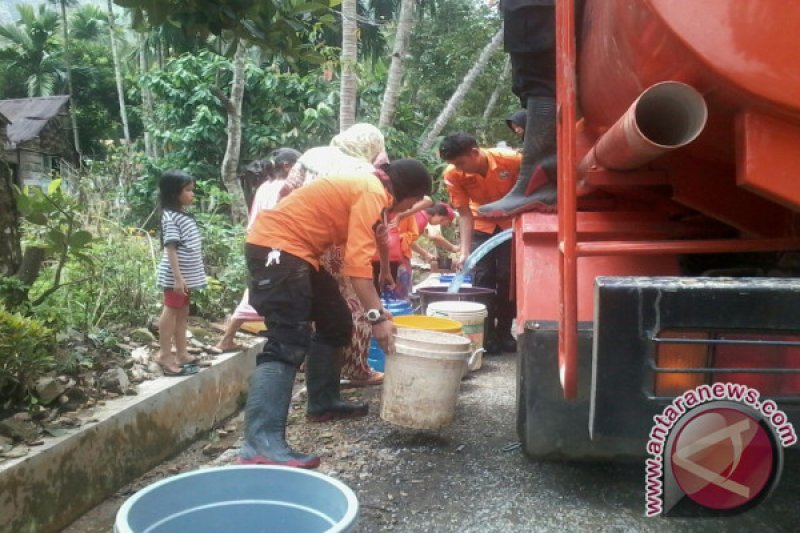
x=671 y=355
x=766 y=361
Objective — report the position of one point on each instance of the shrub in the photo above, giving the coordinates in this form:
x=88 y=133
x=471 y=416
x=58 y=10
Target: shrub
x=26 y=352
x=116 y=290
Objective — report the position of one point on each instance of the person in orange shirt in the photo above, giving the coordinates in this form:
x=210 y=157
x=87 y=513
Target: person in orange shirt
x=290 y=289
x=403 y=233
x=474 y=177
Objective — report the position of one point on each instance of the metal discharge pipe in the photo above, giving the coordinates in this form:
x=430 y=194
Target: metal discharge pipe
x=666 y=116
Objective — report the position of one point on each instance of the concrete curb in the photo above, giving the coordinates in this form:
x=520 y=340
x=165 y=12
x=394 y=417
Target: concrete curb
x=47 y=490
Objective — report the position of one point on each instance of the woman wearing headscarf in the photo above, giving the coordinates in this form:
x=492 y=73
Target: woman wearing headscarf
x=353 y=151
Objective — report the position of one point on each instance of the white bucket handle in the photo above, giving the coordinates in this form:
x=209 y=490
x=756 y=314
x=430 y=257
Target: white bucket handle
x=473 y=358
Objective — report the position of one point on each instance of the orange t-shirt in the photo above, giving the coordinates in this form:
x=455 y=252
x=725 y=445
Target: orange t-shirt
x=340 y=211
x=401 y=237
x=474 y=190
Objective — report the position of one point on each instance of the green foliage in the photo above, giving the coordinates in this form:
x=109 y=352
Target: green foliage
x=54 y=223
x=13 y=293
x=279 y=26
x=115 y=290
x=93 y=71
x=30 y=54
x=26 y=352
x=223 y=255
x=279 y=109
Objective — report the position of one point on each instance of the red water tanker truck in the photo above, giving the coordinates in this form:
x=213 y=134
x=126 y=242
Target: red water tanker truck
x=673 y=258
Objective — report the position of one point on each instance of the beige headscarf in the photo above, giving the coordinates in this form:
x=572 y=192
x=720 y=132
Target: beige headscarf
x=363 y=141
x=351 y=152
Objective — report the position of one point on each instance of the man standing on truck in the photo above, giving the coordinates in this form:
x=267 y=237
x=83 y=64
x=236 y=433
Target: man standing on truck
x=529 y=39
x=475 y=177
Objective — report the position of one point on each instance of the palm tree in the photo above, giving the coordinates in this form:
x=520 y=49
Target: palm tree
x=501 y=86
x=349 y=83
x=461 y=91
x=396 y=70
x=87 y=23
x=68 y=69
x=30 y=51
x=123 y=113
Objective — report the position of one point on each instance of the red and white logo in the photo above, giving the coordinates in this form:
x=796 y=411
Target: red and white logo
x=722 y=458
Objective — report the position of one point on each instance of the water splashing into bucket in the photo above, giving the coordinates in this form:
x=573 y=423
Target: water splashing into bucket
x=479 y=253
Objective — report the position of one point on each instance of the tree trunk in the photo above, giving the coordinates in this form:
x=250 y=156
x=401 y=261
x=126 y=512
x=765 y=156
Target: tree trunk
x=349 y=58
x=10 y=249
x=460 y=92
x=501 y=85
x=72 y=108
x=123 y=113
x=230 y=163
x=150 y=148
x=395 y=79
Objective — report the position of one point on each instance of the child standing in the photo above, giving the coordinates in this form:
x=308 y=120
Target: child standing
x=181 y=270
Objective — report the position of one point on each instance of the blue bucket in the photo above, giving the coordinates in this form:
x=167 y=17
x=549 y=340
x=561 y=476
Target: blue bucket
x=245 y=499
x=445 y=279
x=375 y=357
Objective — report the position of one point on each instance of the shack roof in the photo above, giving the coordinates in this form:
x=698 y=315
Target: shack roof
x=28 y=116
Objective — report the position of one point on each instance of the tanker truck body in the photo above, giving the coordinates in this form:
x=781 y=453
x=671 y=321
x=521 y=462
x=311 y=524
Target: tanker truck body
x=674 y=263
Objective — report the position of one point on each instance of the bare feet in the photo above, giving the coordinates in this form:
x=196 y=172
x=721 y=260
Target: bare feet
x=186 y=359
x=228 y=346
x=169 y=365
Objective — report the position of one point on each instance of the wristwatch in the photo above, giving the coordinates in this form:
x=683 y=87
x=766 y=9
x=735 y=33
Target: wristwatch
x=374 y=316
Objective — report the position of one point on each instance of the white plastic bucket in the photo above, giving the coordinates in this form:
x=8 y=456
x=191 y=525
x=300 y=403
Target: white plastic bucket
x=422 y=379
x=472 y=316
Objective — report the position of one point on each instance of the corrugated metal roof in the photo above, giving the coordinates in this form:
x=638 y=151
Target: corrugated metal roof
x=29 y=115
x=4 y=120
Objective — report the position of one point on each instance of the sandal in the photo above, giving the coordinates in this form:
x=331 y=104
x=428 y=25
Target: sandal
x=186 y=370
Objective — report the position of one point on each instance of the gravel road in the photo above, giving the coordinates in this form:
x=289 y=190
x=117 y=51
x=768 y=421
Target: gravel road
x=462 y=478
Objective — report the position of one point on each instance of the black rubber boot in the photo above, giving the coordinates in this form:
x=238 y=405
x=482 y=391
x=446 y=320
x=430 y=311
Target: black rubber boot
x=535 y=189
x=322 y=382
x=265 y=418
x=507 y=342
x=505 y=339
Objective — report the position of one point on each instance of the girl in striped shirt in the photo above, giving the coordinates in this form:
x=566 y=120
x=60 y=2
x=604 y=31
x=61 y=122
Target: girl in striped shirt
x=180 y=271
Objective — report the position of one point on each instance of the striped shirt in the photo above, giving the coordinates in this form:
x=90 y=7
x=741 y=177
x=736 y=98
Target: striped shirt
x=180 y=228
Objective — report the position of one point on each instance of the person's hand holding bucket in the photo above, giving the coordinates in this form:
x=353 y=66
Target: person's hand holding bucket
x=383 y=332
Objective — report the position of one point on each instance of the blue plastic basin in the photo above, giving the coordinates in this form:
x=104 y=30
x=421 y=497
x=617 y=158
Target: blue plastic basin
x=245 y=499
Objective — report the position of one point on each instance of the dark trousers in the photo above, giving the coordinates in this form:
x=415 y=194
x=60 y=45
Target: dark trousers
x=529 y=37
x=494 y=272
x=290 y=295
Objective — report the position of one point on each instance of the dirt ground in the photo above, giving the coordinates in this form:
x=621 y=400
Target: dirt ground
x=466 y=478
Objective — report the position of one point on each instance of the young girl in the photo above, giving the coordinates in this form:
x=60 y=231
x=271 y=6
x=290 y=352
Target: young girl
x=181 y=270
x=272 y=174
